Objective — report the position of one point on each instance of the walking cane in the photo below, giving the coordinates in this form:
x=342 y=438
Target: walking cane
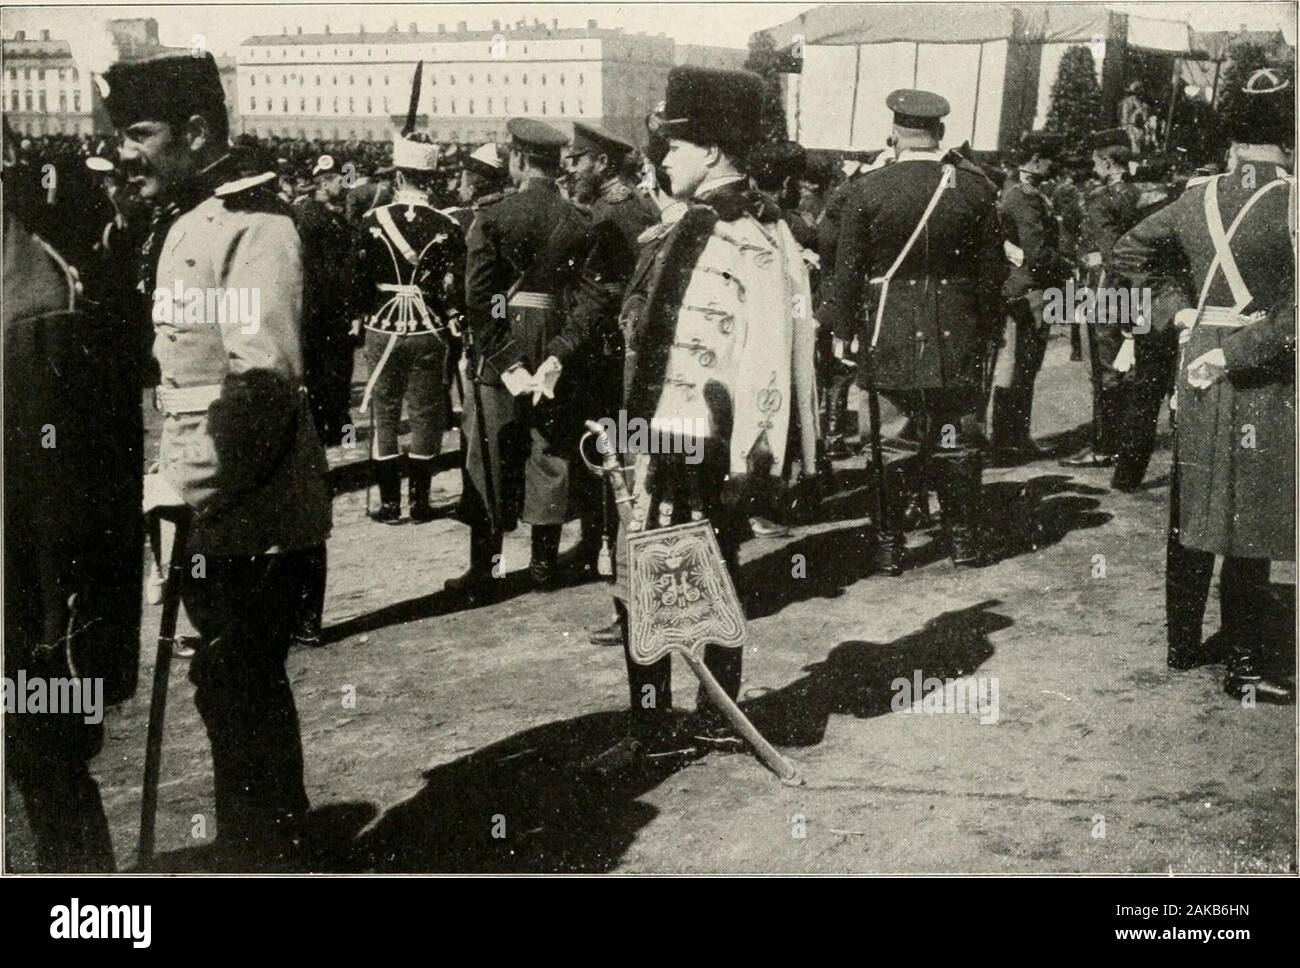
x=161 y=676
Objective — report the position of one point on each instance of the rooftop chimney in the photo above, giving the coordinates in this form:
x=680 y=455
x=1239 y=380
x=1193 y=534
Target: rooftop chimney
x=442 y=28
x=327 y=28
x=45 y=35
x=284 y=31
x=20 y=35
x=299 y=31
x=462 y=27
x=555 y=23
x=591 y=25
x=413 y=28
x=496 y=25
x=361 y=29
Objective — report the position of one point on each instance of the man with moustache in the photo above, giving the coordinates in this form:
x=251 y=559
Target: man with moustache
x=238 y=446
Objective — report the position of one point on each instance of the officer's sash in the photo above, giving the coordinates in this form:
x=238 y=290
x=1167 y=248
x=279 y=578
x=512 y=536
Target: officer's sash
x=946 y=180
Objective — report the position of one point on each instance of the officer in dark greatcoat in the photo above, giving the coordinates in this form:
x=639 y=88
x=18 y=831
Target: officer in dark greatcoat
x=238 y=446
x=1111 y=209
x=524 y=409
x=921 y=249
x=408 y=272
x=619 y=214
x=72 y=530
x=1234 y=449
x=1036 y=265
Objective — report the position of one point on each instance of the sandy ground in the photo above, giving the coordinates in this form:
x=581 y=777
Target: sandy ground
x=460 y=748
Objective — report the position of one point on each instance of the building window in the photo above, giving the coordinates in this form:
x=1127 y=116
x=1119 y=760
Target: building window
x=27 y=73
x=43 y=107
x=370 y=107
x=76 y=101
x=506 y=80
x=13 y=73
x=40 y=75
x=579 y=78
x=302 y=104
x=74 y=74
x=252 y=81
x=525 y=80
x=370 y=82
x=14 y=99
x=63 y=74
x=561 y=109
x=543 y=80
x=471 y=106
x=434 y=106
x=385 y=78
x=471 y=78
x=284 y=105
x=525 y=105
x=318 y=80
x=252 y=104
x=385 y=105
x=452 y=80
x=63 y=103
x=336 y=105
x=489 y=107
x=561 y=80
x=453 y=107
x=318 y=105
x=352 y=81
x=543 y=107
x=351 y=105
x=27 y=99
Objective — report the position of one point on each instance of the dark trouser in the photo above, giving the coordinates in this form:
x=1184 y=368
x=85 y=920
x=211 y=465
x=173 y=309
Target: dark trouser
x=1013 y=394
x=949 y=458
x=1109 y=388
x=1153 y=381
x=48 y=756
x=684 y=485
x=312 y=598
x=412 y=374
x=1243 y=592
x=242 y=691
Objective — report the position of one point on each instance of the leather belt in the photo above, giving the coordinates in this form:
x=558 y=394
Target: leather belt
x=175 y=401
x=533 y=300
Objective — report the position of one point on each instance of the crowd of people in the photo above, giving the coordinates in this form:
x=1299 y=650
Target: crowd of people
x=719 y=292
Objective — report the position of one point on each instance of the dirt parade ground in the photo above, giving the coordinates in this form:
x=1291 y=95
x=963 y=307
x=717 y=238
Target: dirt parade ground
x=440 y=738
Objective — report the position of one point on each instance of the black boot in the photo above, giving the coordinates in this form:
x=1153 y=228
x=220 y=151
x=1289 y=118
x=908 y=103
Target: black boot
x=421 y=479
x=484 y=557
x=389 y=475
x=959 y=507
x=546 y=549
x=1002 y=427
x=1243 y=590
x=837 y=406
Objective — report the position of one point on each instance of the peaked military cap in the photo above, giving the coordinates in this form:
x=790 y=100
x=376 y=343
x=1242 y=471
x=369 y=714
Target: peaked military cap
x=710 y=106
x=916 y=109
x=1266 y=109
x=587 y=138
x=536 y=137
x=166 y=87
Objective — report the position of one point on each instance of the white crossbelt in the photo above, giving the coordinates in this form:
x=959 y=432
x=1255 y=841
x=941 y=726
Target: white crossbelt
x=946 y=180
x=532 y=300
x=181 y=400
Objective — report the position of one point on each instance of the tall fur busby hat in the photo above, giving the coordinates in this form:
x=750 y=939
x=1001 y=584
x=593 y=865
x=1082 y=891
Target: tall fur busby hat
x=705 y=105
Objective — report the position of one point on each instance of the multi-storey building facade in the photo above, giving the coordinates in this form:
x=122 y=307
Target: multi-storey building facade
x=358 y=85
x=44 y=92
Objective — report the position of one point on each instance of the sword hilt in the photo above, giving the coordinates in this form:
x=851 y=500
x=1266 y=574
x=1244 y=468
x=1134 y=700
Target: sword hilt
x=612 y=468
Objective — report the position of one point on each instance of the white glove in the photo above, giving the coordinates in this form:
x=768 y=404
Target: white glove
x=517 y=380
x=1126 y=357
x=545 y=379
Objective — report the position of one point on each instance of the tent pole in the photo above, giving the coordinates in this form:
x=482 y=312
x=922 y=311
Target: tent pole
x=853 y=105
x=1173 y=99
x=975 y=115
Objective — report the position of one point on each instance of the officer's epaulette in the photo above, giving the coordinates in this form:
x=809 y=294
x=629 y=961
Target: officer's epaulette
x=958 y=160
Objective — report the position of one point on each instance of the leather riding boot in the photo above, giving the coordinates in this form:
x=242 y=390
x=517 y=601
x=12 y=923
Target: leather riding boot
x=546 y=549
x=484 y=556
x=421 y=471
x=960 y=508
x=389 y=475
